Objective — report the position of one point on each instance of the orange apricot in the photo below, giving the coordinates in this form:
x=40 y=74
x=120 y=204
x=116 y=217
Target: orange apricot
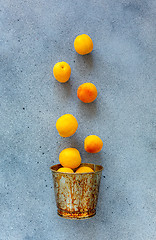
x=87 y=92
x=93 y=144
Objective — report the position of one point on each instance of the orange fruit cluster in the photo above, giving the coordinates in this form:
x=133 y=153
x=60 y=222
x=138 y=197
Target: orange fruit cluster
x=67 y=124
x=87 y=92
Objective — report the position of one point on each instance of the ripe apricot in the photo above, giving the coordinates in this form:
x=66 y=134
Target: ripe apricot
x=66 y=125
x=84 y=170
x=87 y=92
x=65 y=170
x=62 y=72
x=70 y=158
x=83 y=44
x=93 y=144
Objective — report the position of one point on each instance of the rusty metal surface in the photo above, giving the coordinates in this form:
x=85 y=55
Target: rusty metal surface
x=77 y=194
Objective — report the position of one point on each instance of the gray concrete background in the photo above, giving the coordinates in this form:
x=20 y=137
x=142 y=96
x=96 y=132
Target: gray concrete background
x=37 y=34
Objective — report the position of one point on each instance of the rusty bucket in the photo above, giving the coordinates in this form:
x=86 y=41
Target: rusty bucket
x=77 y=194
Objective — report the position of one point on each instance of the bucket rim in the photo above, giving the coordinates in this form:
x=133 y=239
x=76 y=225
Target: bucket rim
x=82 y=164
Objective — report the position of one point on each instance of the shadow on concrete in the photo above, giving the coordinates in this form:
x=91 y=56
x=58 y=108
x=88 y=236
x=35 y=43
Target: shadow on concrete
x=87 y=60
x=89 y=110
x=65 y=88
x=74 y=141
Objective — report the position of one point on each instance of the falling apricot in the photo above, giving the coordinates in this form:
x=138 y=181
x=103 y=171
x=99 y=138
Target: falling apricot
x=93 y=144
x=87 y=92
x=83 y=44
x=66 y=125
x=61 y=72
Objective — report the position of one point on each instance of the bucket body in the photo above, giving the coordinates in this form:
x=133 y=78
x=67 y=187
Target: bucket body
x=76 y=194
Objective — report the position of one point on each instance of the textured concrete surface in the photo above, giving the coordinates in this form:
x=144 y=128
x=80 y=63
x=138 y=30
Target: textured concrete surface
x=34 y=36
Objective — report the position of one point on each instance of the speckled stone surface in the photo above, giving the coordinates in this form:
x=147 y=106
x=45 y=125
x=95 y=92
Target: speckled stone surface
x=34 y=36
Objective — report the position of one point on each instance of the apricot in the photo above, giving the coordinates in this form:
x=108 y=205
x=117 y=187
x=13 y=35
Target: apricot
x=84 y=170
x=62 y=72
x=93 y=144
x=87 y=92
x=83 y=44
x=66 y=125
x=70 y=157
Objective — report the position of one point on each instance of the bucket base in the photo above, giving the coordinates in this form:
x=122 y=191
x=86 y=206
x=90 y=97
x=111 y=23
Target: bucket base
x=76 y=215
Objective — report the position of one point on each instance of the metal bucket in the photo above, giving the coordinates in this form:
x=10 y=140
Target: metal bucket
x=76 y=194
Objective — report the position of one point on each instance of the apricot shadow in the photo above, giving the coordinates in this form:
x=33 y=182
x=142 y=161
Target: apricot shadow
x=96 y=158
x=88 y=60
x=89 y=110
x=65 y=88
